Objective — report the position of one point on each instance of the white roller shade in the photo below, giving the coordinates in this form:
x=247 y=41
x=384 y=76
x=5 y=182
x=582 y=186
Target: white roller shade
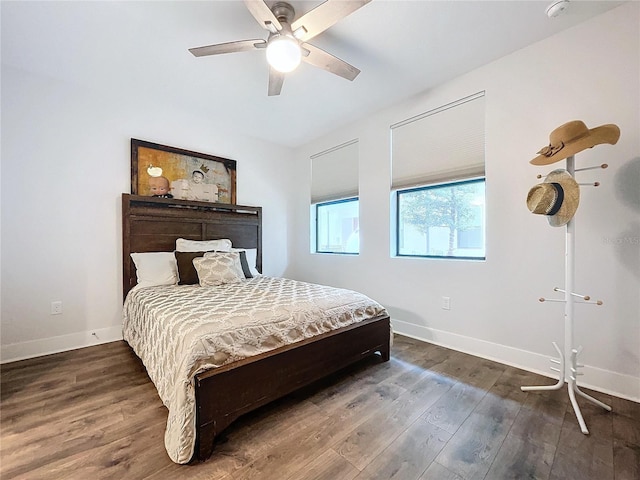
x=444 y=144
x=334 y=173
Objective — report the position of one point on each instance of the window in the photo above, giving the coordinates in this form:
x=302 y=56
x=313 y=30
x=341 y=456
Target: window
x=445 y=220
x=334 y=200
x=438 y=182
x=337 y=229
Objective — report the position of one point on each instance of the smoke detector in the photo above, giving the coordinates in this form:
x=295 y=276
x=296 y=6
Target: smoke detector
x=557 y=8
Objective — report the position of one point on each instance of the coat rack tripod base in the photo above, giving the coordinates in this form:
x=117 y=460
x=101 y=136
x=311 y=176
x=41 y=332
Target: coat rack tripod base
x=572 y=385
x=569 y=371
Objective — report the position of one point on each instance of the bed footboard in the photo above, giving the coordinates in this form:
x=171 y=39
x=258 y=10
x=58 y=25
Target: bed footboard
x=226 y=393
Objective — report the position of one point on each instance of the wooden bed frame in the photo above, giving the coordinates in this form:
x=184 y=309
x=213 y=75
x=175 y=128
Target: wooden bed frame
x=223 y=394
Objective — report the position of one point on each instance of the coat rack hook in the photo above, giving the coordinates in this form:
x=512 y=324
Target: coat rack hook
x=592 y=184
x=542 y=299
x=604 y=165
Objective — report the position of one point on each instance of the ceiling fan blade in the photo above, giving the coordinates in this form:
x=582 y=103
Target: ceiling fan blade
x=321 y=59
x=263 y=14
x=323 y=16
x=276 y=79
x=229 y=47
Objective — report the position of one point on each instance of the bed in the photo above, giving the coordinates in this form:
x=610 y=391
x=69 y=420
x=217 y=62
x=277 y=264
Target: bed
x=224 y=390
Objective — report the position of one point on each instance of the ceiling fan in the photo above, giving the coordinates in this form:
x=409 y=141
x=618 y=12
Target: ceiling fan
x=287 y=43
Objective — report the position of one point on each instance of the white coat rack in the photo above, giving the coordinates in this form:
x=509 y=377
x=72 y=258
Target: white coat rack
x=570 y=370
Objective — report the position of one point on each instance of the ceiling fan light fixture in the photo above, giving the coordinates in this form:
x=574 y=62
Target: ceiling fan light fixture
x=283 y=53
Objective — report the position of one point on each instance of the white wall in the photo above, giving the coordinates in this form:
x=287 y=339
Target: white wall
x=590 y=73
x=65 y=163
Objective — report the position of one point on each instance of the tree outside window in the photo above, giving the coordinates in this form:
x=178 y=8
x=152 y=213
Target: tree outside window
x=446 y=220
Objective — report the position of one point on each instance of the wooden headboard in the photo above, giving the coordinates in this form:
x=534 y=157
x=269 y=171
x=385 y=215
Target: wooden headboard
x=151 y=224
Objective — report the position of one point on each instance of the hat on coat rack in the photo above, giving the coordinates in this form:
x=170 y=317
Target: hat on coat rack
x=557 y=198
x=573 y=137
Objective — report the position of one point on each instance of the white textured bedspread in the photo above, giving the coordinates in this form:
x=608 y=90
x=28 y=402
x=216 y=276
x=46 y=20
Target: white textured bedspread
x=179 y=331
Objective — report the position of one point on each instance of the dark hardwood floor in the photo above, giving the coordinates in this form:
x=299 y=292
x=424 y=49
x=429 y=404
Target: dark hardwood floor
x=428 y=414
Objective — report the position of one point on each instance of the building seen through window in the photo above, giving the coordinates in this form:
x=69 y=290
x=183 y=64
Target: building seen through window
x=337 y=226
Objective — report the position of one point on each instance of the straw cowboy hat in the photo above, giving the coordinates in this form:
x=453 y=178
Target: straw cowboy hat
x=557 y=198
x=573 y=137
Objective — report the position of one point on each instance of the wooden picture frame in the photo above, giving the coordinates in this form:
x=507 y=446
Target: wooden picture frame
x=171 y=172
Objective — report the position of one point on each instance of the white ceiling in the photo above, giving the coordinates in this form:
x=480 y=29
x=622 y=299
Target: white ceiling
x=140 y=50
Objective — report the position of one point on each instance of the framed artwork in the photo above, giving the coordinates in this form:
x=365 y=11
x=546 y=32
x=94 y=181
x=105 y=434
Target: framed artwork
x=170 y=172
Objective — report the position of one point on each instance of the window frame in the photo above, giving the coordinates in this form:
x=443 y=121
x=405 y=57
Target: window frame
x=450 y=183
x=324 y=204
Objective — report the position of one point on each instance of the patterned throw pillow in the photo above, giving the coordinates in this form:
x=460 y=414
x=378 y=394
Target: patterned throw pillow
x=218 y=268
x=187 y=274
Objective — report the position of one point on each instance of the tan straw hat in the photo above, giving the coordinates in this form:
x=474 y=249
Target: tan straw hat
x=573 y=137
x=557 y=198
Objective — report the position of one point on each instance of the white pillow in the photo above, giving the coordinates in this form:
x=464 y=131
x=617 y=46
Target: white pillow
x=155 y=268
x=221 y=245
x=218 y=268
x=252 y=256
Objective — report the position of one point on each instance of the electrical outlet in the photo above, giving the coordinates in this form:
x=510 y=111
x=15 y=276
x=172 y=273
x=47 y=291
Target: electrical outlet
x=56 y=307
x=446 y=303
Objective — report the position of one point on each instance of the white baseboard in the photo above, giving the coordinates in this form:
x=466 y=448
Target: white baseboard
x=45 y=346
x=605 y=381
